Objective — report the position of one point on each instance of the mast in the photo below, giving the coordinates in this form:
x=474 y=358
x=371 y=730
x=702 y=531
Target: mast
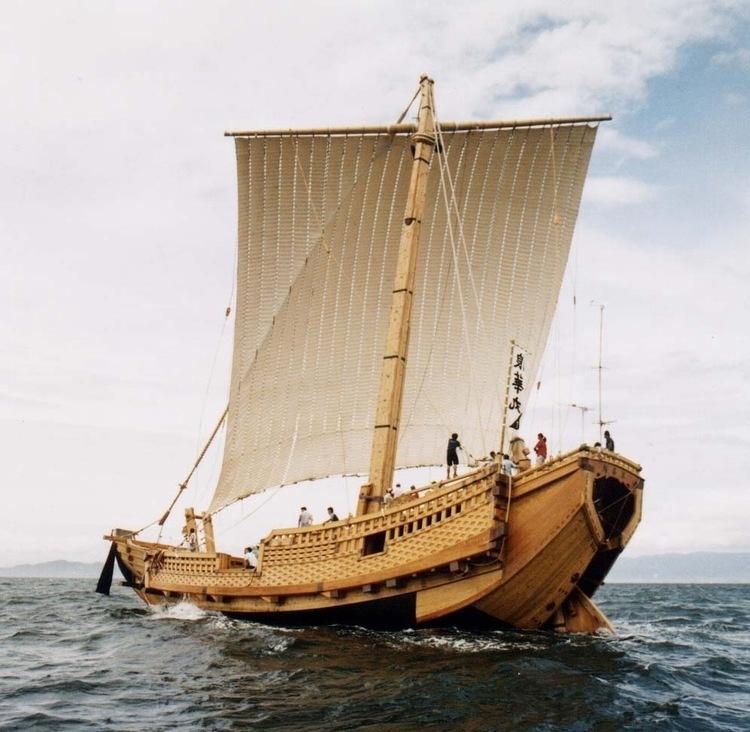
x=393 y=373
x=600 y=367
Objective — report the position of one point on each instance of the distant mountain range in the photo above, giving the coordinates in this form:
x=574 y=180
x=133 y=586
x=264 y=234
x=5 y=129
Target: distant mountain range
x=697 y=567
x=58 y=569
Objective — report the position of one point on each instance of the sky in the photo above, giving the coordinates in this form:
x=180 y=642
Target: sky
x=117 y=237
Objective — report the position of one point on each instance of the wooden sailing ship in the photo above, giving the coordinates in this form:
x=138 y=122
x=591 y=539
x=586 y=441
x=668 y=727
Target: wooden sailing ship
x=447 y=243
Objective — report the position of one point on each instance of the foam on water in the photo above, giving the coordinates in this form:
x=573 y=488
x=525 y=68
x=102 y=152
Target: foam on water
x=183 y=610
x=462 y=643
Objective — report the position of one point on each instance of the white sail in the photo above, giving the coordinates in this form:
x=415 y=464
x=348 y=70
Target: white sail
x=319 y=225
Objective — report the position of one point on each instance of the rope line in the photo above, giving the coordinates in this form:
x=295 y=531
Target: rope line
x=184 y=483
x=271 y=495
x=442 y=167
x=408 y=106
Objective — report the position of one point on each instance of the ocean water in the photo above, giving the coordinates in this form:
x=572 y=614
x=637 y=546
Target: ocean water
x=71 y=659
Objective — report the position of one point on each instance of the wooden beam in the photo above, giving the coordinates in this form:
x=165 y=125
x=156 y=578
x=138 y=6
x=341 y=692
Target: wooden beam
x=208 y=533
x=407 y=128
x=393 y=373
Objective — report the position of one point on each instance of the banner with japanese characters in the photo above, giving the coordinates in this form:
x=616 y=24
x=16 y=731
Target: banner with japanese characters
x=516 y=390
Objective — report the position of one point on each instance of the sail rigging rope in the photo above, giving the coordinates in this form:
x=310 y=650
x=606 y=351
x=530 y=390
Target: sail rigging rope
x=428 y=362
x=445 y=173
x=272 y=494
x=182 y=486
x=408 y=106
x=459 y=221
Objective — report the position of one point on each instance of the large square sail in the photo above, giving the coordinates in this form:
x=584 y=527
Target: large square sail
x=318 y=230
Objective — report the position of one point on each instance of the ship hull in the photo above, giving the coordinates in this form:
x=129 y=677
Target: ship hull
x=477 y=552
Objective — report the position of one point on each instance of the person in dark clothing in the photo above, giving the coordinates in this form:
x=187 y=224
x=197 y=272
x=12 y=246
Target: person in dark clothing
x=331 y=515
x=609 y=443
x=452 y=454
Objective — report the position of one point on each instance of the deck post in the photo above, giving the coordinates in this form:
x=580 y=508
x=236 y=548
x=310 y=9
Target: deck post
x=190 y=523
x=393 y=373
x=208 y=533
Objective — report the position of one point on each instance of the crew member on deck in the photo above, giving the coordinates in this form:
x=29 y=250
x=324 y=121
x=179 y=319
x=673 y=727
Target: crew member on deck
x=452 y=455
x=305 y=518
x=508 y=466
x=541 y=449
x=252 y=553
x=192 y=540
x=331 y=515
x=609 y=443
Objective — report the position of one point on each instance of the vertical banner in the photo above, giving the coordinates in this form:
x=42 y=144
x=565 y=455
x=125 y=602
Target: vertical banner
x=515 y=392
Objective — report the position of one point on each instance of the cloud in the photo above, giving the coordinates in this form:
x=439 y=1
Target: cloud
x=611 y=140
x=618 y=191
x=116 y=210
x=739 y=57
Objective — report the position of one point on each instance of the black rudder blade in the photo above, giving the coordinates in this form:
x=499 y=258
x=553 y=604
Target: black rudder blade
x=105 y=578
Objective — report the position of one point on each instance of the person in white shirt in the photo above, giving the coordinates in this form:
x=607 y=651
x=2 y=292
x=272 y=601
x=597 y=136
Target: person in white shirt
x=508 y=465
x=192 y=541
x=305 y=517
x=388 y=497
x=252 y=553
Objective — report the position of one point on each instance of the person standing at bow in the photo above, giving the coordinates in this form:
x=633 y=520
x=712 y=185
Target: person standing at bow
x=451 y=456
x=609 y=443
x=541 y=449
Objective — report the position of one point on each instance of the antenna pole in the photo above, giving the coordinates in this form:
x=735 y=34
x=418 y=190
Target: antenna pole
x=393 y=373
x=583 y=414
x=601 y=340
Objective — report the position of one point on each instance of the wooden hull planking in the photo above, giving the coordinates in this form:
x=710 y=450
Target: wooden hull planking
x=474 y=551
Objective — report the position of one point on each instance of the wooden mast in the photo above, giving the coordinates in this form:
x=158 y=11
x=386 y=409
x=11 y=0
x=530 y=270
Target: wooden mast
x=393 y=373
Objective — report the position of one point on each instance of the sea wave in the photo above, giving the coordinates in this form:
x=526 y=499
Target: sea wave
x=70 y=659
x=177 y=611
